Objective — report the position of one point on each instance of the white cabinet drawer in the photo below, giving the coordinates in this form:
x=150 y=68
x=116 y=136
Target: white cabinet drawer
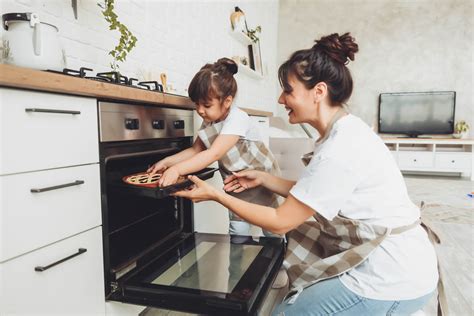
x=72 y=287
x=31 y=220
x=41 y=140
x=415 y=160
x=453 y=161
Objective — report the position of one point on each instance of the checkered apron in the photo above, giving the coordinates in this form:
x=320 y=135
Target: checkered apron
x=322 y=249
x=246 y=154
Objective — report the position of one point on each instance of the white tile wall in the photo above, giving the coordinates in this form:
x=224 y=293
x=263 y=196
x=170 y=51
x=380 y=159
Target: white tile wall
x=176 y=37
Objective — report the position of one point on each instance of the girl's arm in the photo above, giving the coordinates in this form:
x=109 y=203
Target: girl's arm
x=197 y=147
x=201 y=160
x=281 y=220
x=221 y=145
x=247 y=179
x=169 y=161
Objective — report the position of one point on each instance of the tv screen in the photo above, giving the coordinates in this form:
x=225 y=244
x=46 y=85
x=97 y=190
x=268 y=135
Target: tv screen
x=417 y=113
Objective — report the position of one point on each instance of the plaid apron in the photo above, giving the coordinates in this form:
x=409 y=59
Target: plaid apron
x=245 y=154
x=322 y=249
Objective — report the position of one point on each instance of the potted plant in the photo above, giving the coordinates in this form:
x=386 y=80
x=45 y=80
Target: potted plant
x=461 y=128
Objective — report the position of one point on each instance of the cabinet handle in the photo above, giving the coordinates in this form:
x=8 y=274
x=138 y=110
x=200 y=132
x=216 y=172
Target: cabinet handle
x=262 y=121
x=41 y=269
x=52 y=111
x=40 y=190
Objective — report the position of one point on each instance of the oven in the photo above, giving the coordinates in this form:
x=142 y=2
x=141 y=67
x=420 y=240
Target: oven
x=152 y=256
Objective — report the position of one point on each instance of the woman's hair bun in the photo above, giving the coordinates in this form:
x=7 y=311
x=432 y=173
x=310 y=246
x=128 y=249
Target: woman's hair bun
x=340 y=48
x=226 y=64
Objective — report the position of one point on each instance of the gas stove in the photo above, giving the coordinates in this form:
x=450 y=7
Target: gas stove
x=113 y=77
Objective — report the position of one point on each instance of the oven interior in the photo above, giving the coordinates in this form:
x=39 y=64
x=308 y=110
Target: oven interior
x=135 y=226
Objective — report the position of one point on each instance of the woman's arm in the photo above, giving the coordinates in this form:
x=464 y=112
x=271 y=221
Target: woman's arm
x=247 y=179
x=281 y=220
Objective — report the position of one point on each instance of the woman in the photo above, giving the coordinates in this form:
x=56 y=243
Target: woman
x=365 y=253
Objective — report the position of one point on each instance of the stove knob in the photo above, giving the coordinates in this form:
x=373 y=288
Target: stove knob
x=132 y=124
x=178 y=124
x=158 y=124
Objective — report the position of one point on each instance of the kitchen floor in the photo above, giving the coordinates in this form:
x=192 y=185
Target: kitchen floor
x=452 y=214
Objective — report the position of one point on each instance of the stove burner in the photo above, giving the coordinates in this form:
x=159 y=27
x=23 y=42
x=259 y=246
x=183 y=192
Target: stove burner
x=113 y=77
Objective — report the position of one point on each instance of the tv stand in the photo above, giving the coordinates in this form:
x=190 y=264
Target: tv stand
x=433 y=155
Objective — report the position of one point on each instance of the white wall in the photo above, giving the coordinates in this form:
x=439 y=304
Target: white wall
x=176 y=37
x=419 y=45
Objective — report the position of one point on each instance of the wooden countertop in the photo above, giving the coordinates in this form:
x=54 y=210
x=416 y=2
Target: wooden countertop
x=26 y=78
x=31 y=79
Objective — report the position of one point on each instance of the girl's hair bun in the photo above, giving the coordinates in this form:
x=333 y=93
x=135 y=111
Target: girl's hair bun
x=339 y=48
x=227 y=65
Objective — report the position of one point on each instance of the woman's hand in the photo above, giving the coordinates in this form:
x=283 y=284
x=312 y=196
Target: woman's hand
x=158 y=167
x=242 y=180
x=169 y=177
x=200 y=191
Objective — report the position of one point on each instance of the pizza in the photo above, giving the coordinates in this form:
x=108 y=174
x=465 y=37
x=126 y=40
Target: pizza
x=146 y=179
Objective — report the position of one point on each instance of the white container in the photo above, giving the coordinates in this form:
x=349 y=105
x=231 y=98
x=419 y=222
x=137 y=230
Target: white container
x=31 y=43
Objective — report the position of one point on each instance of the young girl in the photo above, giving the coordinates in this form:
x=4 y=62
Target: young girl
x=227 y=135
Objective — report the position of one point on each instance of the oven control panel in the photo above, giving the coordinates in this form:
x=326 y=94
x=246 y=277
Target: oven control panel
x=119 y=122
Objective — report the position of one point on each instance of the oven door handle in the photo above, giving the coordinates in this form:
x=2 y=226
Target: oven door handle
x=142 y=153
x=40 y=190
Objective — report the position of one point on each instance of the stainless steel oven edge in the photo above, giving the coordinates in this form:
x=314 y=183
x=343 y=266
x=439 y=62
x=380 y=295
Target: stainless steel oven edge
x=120 y=122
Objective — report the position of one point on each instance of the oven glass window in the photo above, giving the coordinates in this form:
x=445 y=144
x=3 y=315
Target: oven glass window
x=210 y=266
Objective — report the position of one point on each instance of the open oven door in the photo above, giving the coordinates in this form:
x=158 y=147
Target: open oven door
x=207 y=274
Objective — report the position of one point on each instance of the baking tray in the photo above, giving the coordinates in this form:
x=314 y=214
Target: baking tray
x=159 y=193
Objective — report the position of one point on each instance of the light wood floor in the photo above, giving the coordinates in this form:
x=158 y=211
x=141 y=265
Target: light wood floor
x=455 y=225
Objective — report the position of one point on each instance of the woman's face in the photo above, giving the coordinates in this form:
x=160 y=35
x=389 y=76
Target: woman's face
x=299 y=102
x=213 y=110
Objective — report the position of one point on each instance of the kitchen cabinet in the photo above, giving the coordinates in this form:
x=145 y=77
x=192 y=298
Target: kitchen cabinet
x=74 y=286
x=51 y=259
x=44 y=130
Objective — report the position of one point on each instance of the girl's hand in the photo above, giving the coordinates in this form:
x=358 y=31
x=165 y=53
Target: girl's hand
x=169 y=177
x=240 y=181
x=200 y=191
x=158 y=167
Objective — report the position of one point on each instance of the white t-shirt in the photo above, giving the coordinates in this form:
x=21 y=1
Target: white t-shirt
x=354 y=174
x=239 y=123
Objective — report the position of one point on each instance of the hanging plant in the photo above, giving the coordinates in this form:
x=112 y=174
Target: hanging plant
x=127 y=40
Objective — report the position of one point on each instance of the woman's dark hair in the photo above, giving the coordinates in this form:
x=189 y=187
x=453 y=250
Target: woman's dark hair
x=214 y=81
x=325 y=62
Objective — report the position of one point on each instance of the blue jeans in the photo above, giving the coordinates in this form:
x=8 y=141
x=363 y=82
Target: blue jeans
x=332 y=297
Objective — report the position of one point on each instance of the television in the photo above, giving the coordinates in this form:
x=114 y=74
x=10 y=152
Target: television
x=417 y=113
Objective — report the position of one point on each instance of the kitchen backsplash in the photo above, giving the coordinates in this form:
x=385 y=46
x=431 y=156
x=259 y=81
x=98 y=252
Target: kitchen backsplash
x=174 y=37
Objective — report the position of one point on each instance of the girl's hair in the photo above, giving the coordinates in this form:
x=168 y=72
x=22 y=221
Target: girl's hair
x=325 y=62
x=214 y=81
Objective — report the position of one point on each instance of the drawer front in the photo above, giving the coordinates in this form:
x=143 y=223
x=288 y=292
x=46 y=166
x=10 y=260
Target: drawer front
x=453 y=161
x=31 y=220
x=415 y=160
x=75 y=286
x=34 y=140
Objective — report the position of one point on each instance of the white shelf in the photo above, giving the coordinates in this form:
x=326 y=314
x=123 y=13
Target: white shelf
x=241 y=37
x=246 y=70
x=436 y=155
